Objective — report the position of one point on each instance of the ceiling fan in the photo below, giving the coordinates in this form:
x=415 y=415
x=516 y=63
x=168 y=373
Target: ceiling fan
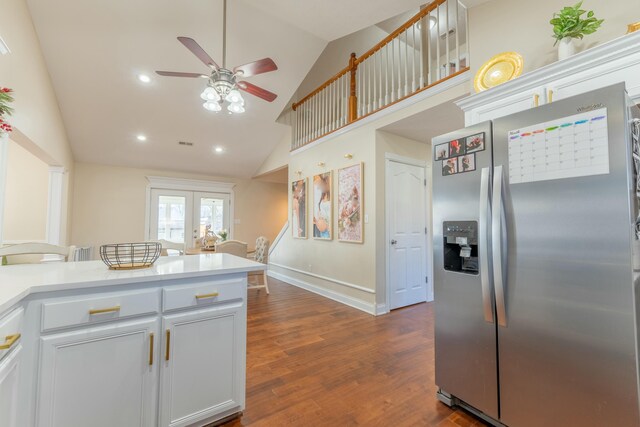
x=223 y=83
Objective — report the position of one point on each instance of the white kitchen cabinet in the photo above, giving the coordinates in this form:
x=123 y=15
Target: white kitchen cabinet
x=9 y=387
x=509 y=105
x=610 y=63
x=203 y=365
x=100 y=377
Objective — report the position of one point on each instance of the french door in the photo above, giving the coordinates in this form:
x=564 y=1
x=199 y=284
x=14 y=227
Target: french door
x=182 y=216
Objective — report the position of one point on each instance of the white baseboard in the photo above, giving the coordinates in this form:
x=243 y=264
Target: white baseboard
x=381 y=309
x=367 y=307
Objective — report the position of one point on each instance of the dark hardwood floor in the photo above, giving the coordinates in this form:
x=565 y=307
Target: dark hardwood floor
x=315 y=362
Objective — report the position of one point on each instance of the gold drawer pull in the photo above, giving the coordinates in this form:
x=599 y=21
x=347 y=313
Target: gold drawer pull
x=10 y=340
x=550 y=97
x=151 y=349
x=105 y=310
x=207 y=296
x=166 y=354
x=536 y=100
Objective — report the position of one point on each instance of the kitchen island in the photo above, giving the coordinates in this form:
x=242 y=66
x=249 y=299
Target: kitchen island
x=84 y=345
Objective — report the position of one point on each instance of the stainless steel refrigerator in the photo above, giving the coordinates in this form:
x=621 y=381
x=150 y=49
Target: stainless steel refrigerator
x=535 y=265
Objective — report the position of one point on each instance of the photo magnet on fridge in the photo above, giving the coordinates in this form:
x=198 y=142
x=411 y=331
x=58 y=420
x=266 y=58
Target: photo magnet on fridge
x=467 y=163
x=441 y=151
x=474 y=143
x=456 y=148
x=449 y=167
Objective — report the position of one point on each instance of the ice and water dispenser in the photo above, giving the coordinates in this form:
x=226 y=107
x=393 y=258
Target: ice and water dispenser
x=461 y=246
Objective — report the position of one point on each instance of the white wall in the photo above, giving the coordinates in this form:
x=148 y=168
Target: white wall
x=523 y=26
x=351 y=273
x=278 y=158
x=26 y=193
x=37 y=119
x=109 y=205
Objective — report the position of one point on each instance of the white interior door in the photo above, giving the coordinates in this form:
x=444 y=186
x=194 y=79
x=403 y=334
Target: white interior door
x=406 y=216
x=182 y=216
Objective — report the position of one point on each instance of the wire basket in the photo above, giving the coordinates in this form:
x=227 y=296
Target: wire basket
x=129 y=256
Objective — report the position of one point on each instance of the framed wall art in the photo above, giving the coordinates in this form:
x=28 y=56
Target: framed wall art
x=350 y=204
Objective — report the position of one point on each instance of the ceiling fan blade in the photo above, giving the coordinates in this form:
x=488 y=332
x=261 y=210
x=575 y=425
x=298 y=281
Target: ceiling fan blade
x=178 y=74
x=198 y=51
x=257 y=67
x=257 y=91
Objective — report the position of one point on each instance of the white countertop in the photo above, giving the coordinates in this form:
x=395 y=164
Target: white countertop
x=19 y=281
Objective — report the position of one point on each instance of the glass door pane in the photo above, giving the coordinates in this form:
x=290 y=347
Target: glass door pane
x=171 y=215
x=171 y=218
x=211 y=209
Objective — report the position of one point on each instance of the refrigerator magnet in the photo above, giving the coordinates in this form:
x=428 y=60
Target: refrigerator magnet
x=449 y=167
x=456 y=147
x=442 y=151
x=467 y=163
x=474 y=143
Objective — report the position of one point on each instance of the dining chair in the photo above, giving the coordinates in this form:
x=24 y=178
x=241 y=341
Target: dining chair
x=19 y=252
x=169 y=245
x=261 y=255
x=233 y=247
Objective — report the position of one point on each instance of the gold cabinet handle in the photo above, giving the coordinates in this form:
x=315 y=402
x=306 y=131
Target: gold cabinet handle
x=550 y=95
x=105 y=310
x=536 y=100
x=10 y=340
x=166 y=354
x=151 y=337
x=207 y=296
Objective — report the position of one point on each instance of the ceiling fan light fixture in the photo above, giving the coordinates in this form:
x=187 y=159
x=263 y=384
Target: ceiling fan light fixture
x=210 y=94
x=212 y=106
x=236 y=108
x=234 y=97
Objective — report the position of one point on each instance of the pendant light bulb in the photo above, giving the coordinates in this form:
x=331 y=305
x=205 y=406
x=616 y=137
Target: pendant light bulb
x=234 y=97
x=236 y=108
x=210 y=94
x=212 y=106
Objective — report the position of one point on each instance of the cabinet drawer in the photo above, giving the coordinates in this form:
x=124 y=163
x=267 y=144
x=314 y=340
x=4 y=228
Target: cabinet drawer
x=98 y=309
x=11 y=330
x=203 y=293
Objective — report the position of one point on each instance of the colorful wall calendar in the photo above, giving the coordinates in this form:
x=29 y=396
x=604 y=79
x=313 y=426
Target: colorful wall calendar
x=570 y=147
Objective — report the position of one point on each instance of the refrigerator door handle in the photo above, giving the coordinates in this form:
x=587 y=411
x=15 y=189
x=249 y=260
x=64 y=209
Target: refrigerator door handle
x=483 y=246
x=497 y=213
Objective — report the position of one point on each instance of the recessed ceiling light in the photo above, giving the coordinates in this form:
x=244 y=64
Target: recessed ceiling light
x=144 y=78
x=219 y=149
x=141 y=138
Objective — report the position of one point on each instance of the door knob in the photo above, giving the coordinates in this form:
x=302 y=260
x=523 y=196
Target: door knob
x=393 y=242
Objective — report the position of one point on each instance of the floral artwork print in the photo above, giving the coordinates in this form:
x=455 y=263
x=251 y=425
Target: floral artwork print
x=350 y=227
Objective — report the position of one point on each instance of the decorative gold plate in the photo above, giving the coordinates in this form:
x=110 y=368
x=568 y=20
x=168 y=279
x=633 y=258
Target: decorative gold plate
x=499 y=69
x=633 y=28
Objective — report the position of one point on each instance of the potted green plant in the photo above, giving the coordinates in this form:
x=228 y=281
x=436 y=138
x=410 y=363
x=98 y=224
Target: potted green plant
x=570 y=24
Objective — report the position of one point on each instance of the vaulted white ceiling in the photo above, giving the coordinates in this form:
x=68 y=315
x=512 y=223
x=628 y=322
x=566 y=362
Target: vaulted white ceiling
x=332 y=19
x=94 y=51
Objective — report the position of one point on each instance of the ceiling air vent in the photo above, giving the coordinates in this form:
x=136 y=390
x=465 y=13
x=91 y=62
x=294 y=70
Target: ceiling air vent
x=4 y=49
x=185 y=143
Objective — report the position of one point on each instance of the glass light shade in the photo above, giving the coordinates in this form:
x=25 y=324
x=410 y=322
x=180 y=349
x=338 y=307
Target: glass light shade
x=212 y=106
x=432 y=21
x=234 y=97
x=210 y=94
x=236 y=108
